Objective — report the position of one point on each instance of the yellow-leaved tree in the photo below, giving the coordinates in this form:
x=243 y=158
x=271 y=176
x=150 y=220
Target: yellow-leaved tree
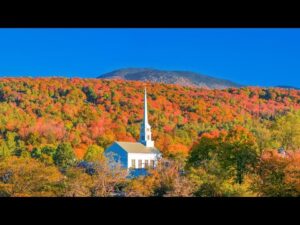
x=25 y=177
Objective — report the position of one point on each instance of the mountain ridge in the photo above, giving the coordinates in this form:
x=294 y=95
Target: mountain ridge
x=184 y=78
x=287 y=87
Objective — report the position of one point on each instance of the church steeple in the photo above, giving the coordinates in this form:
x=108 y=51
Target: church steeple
x=145 y=108
x=145 y=135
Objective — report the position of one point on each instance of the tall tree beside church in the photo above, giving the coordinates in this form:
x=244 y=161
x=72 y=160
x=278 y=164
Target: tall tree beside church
x=235 y=151
x=239 y=152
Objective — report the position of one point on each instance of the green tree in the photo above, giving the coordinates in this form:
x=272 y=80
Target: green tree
x=47 y=154
x=22 y=149
x=106 y=139
x=94 y=153
x=235 y=151
x=204 y=151
x=4 y=150
x=90 y=94
x=11 y=140
x=263 y=136
x=64 y=156
x=36 y=153
x=287 y=130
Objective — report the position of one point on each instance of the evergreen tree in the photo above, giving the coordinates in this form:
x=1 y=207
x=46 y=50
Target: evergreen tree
x=64 y=156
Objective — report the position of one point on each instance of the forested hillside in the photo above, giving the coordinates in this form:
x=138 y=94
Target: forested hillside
x=57 y=121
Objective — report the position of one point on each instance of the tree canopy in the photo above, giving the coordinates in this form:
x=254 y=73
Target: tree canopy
x=53 y=132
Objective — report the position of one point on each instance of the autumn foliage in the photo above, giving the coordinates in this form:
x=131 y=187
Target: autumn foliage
x=220 y=138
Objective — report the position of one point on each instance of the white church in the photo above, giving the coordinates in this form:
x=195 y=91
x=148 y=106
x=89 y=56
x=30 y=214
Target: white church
x=137 y=156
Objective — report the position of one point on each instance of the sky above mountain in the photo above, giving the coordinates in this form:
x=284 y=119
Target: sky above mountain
x=264 y=57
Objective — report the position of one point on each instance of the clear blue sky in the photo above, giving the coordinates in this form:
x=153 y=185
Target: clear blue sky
x=247 y=56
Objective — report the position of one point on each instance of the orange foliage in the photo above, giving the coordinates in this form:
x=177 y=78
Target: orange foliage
x=59 y=110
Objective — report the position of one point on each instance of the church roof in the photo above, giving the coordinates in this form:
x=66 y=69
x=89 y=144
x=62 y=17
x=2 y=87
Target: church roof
x=136 y=147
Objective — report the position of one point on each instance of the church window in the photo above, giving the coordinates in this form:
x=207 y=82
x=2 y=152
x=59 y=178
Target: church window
x=133 y=163
x=140 y=164
x=148 y=137
x=148 y=129
x=152 y=163
x=146 y=163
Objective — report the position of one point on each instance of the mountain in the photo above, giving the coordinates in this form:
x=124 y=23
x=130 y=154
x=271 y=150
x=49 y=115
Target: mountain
x=183 y=78
x=287 y=87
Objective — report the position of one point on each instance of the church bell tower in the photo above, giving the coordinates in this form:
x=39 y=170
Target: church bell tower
x=145 y=135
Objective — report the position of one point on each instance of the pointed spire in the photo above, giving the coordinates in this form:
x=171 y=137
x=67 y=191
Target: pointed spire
x=145 y=108
x=145 y=135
